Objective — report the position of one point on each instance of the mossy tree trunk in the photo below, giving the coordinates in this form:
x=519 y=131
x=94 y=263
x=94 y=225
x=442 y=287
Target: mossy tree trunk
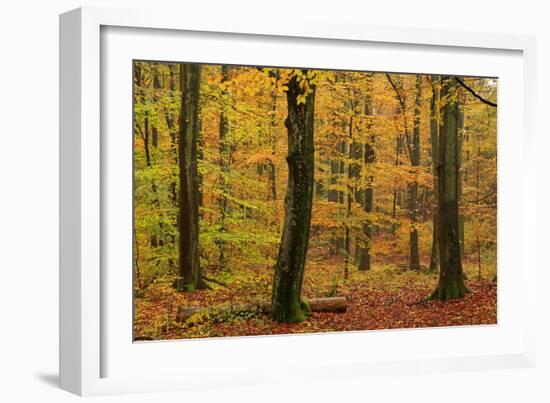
x=286 y=302
x=451 y=277
x=414 y=259
x=188 y=219
x=434 y=138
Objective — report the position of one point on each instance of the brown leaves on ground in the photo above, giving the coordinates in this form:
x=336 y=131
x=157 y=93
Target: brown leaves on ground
x=381 y=299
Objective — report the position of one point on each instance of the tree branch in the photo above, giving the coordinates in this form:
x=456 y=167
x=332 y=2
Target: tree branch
x=403 y=113
x=475 y=94
x=492 y=192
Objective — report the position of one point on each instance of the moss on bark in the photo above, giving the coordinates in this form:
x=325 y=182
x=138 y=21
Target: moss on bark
x=451 y=276
x=287 y=305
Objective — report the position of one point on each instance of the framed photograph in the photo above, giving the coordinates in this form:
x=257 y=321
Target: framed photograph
x=244 y=202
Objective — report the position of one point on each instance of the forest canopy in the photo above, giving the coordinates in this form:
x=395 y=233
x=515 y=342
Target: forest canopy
x=279 y=200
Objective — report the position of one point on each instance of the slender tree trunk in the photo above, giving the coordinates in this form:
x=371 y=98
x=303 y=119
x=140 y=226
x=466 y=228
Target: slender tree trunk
x=478 y=181
x=170 y=120
x=155 y=239
x=156 y=87
x=400 y=139
x=146 y=137
x=451 y=277
x=354 y=154
x=170 y=117
x=414 y=259
x=200 y=157
x=224 y=150
x=434 y=136
x=136 y=261
x=363 y=252
x=273 y=142
x=459 y=164
x=189 y=256
x=337 y=169
x=286 y=303
x=398 y=144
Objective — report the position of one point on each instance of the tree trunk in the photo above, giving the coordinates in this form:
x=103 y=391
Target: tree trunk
x=336 y=195
x=414 y=259
x=478 y=180
x=172 y=131
x=434 y=136
x=156 y=87
x=398 y=145
x=224 y=150
x=273 y=142
x=188 y=222
x=363 y=251
x=286 y=303
x=354 y=153
x=155 y=239
x=146 y=139
x=451 y=277
x=459 y=164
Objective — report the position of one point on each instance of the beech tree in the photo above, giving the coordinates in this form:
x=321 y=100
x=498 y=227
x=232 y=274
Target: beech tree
x=434 y=139
x=451 y=277
x=414 y=258
x=367 y=195
x=286 y=303
x=188 y=219
x=225 y=162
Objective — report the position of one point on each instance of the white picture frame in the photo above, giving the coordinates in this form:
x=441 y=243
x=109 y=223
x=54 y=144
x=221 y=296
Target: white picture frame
x=87 y=344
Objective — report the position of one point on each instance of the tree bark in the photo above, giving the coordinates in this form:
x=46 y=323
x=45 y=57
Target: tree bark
x=156 y=87
x=273 y=142
x=336 y=195
x=286 y=303
x=363 y=251
x=156 y=240
x=451 y=277
x=354 y=153
x=460 y=135
x=170 y=117
x=434 y=136
x=414 y=259
x=188 y=222
x=224 y=150
x=478 y=181
x=398 y=146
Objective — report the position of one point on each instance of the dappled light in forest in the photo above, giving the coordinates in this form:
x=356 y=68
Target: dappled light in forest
x=280 y=200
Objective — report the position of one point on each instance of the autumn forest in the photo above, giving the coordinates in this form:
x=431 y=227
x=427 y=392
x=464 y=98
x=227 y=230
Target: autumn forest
x=278 y=200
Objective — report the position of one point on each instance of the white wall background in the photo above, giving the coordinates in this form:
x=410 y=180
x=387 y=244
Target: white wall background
x=29 y=198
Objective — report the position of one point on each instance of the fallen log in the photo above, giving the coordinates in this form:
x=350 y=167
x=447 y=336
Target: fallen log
x=334 y=304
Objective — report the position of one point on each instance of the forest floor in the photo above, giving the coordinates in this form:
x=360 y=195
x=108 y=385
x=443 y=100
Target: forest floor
x=383 y=298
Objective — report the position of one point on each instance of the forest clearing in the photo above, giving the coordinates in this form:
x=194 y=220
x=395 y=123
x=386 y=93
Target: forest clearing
x=263 y=194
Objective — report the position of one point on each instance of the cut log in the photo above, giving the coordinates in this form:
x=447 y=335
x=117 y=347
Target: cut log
x=334 y=304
